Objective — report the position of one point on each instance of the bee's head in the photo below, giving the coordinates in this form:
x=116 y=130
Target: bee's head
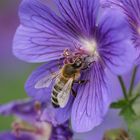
x=78 y=63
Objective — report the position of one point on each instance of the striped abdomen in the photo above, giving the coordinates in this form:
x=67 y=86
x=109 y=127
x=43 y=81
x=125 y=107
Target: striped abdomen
x=56 y=90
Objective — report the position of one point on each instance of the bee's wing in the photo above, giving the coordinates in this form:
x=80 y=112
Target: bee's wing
x=46 y=81
x=63 y=96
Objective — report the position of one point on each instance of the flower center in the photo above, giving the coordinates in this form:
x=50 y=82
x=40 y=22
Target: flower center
x=42 y=130
x=86 y=51
x=90 y=47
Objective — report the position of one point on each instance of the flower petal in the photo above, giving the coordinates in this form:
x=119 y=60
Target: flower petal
x=115 y=47
x=41 y=94
x=20 y=108
x=10 y=136
x=112 y=121
x=131 y=9
x=57 y=116
x=92 y=100
x=42 y=35
x=80 y=15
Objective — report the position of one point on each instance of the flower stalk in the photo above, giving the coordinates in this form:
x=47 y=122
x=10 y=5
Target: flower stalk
x=133 y=80
x=124 y=91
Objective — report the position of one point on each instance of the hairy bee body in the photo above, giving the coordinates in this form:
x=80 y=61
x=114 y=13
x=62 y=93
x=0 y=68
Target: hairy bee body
x=68 y=71
x=64 y=80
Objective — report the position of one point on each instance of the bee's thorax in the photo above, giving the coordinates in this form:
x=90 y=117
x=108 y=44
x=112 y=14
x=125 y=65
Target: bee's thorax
x=68 y=71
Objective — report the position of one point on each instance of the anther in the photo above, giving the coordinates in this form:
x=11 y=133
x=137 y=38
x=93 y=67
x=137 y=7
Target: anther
x=66 y=53
x=37 y=106
x=24 y=127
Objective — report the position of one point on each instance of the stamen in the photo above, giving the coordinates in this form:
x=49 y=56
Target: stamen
x=37 y=107
x=67 y=53
x=42 y=130
x=86 y=55
x=24 y=127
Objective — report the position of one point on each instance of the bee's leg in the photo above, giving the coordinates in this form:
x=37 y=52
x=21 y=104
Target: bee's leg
x=85 y=68
x=74 y=92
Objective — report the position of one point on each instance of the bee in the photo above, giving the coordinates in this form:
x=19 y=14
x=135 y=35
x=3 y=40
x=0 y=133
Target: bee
x=64 y=80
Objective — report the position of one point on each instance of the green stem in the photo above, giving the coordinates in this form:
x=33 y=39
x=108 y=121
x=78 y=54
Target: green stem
x=132 y=80
x=123 y=87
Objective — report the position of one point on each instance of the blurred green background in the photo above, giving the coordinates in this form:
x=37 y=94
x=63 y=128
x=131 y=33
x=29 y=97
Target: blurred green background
x=13 y=72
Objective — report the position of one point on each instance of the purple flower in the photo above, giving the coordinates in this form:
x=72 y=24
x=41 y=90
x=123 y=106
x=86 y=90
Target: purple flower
x=79 y=28
x=28 y=126
x=131 y=9
x=11 y=136
x=24 y=109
